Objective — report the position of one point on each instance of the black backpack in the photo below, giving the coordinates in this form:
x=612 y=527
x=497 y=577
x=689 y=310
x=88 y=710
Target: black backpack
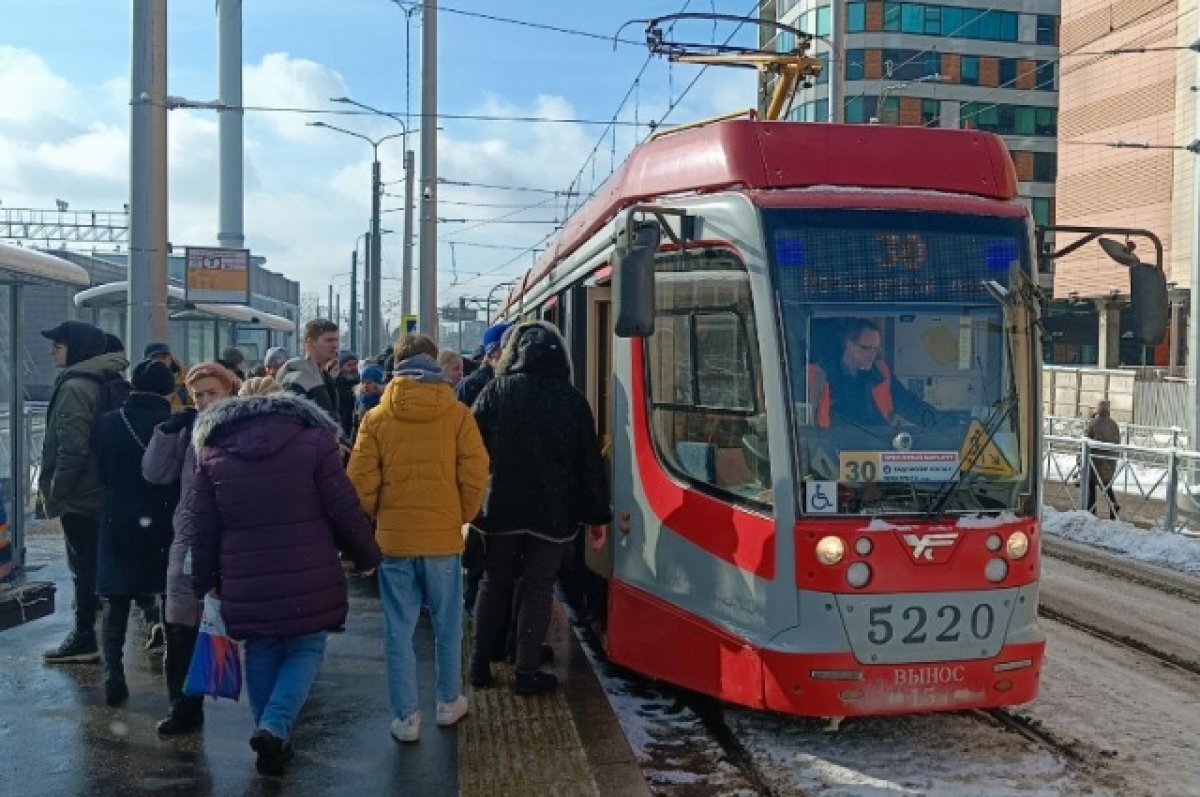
x=114 y=389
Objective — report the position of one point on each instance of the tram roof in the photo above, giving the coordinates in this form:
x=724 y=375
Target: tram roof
x=756 y=155
x=22 y=266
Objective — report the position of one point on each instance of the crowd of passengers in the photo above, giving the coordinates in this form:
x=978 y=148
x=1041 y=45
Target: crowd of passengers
x=388 y=465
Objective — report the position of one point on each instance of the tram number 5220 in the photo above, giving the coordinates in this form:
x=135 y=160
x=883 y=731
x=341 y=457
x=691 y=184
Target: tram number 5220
x=914 y=625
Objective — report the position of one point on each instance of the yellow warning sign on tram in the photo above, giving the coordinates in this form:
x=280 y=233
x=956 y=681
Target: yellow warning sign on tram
x=980 y=454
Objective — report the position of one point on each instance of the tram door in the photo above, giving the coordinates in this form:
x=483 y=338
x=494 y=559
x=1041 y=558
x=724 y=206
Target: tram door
x=598 y=388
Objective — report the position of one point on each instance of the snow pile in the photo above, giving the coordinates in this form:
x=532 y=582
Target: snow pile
x=1148 y=545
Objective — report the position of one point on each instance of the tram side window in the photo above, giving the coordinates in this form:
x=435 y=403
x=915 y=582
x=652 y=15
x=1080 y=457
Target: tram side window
x=708 y=418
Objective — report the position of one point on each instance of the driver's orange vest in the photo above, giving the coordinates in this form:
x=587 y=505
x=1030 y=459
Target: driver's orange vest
x=881 y=393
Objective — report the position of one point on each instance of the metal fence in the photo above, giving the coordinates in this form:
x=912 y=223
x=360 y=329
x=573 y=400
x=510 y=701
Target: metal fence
x=34 y=432
x=1155 y=485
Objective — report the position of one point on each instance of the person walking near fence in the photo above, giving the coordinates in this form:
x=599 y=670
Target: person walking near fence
x=272 y=507
x=547 y=478
x=68 y=482
x=170 y=458
x=135 y=527
x=420 y=467
x=1103 y=429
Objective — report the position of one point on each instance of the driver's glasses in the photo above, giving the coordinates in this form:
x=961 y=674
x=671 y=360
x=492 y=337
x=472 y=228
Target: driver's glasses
x=869 y=349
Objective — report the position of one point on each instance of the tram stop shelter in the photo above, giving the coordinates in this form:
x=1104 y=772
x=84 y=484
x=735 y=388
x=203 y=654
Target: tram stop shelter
x=19 y=269
x=198 y=331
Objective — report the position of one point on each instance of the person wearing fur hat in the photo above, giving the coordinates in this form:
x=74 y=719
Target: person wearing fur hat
x=135 y=526
x=68 y=485
x=419 y=468
x=277 y=572
x=547 y=479
x=170 y=459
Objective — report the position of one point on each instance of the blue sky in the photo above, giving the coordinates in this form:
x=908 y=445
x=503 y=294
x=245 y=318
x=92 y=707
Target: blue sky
x=63 y=117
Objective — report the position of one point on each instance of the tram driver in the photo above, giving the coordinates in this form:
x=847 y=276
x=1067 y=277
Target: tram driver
x=858 y=388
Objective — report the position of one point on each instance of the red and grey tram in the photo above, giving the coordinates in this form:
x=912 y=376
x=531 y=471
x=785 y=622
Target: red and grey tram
x=813 y=354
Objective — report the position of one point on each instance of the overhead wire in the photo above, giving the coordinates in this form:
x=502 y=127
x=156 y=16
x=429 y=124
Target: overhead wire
x=536 y=25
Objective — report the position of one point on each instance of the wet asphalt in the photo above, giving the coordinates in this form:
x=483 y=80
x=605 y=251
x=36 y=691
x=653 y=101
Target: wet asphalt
x=58 y=738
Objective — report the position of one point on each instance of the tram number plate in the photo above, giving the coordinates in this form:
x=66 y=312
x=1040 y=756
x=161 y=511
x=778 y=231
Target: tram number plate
x=927 y=627
x=858 y=467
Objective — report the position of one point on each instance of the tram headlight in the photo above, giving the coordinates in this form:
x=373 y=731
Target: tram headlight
x=858 y=574
x=830 y=550
x=995 y=570
x=1018 y=545
x=994 y=542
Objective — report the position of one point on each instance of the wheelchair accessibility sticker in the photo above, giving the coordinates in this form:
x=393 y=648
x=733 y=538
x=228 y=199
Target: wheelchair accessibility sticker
x=820 y=498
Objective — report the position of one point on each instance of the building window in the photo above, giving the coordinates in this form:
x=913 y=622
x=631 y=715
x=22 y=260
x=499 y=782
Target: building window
x=1045 y=167
x=1008 y=71
x=786 y=42
x=1009 y=120
x=891 y=16
x=854 y=112
x=854 y=64
x=931 y=113
x=912 y=18
x=824 y=17
x=933 y=63
x=1047 y=29
x=1045 y=76
x=856 y=17
x=822 y=114
x=933 y=20
x=823 y=75
x=952 y=21
x=1008 y=26
x=1042 y=210
x=969 y=70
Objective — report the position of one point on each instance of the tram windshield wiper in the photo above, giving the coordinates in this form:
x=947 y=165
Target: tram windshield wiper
x=965 y=472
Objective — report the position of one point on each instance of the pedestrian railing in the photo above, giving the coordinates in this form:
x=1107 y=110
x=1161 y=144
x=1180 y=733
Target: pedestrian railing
x=34 y=432
x=1149 y=485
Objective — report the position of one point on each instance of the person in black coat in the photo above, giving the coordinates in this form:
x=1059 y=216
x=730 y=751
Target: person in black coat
x=135 y=526
x=547 y=478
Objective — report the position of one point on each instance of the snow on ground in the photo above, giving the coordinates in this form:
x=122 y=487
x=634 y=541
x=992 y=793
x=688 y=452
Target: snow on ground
x=1156 y=546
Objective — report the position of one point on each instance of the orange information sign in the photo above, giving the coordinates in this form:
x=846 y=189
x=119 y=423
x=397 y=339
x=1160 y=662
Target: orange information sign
x=215 y=275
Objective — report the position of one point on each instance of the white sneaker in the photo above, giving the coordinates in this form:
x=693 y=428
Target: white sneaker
x=450 y=713
x=407 y=729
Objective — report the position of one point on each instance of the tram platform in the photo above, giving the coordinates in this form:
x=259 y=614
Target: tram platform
x=57 y=737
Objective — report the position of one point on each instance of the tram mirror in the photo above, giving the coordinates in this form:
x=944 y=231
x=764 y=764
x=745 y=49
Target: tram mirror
x=633 y=281
x=1148 y=297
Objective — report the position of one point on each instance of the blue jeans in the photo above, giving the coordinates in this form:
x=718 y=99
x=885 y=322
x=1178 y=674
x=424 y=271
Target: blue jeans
x=279 y=673
x=405 y=583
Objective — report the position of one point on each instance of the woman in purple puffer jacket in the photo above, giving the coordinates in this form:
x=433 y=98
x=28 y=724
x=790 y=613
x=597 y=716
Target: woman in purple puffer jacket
x=275 y=565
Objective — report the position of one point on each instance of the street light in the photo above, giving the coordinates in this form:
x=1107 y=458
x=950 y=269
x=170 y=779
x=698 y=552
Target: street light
x=409 y=168
x=371 y=340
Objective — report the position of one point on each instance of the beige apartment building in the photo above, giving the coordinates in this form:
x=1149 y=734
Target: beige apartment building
x=1111 y=106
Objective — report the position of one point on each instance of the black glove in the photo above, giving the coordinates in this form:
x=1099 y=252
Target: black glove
x=179 y=421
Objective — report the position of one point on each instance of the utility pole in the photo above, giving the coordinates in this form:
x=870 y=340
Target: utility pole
x=374 y=267
x=354 y=301
x=229 y=124
x=462 y=310
x=333 y=316
x=428 y=313
x=148 y=177
x=409 y=237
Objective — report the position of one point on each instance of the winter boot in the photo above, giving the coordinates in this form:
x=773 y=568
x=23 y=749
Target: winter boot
x=273 y=752
x=534 y=682
x=479 y=671
x=113 y=628
x=78 y=647
x=186 y=716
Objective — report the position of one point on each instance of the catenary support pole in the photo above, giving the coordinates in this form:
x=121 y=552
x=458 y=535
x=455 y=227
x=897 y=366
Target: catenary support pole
x=354 y=301
x=374 y=268
x=229 y=125
x=17 y=439
x=409 y=236
x=428 y=313
x=148 y=177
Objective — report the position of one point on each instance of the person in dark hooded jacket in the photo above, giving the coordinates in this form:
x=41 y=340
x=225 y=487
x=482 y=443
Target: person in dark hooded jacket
x=68 y=482
x=135 y=528
x=276 y=568
x=547 y=478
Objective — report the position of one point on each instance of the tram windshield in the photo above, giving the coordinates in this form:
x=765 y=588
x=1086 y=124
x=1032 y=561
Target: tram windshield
x=910 y=378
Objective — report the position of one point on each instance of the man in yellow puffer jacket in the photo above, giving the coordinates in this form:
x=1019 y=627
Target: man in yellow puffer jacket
x=420 y=468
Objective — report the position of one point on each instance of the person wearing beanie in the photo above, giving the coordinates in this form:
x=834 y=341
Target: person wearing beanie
x=135 y=527
x=170 y=460
x=367 y=395
x=419 y=467
x=345 y=380
x=493 y=343
x=113 y=344
x=232 y=358
x=274 y=360
x=68 y=485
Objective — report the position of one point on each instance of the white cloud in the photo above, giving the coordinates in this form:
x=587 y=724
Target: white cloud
x=280 y=80
x=28 y=89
